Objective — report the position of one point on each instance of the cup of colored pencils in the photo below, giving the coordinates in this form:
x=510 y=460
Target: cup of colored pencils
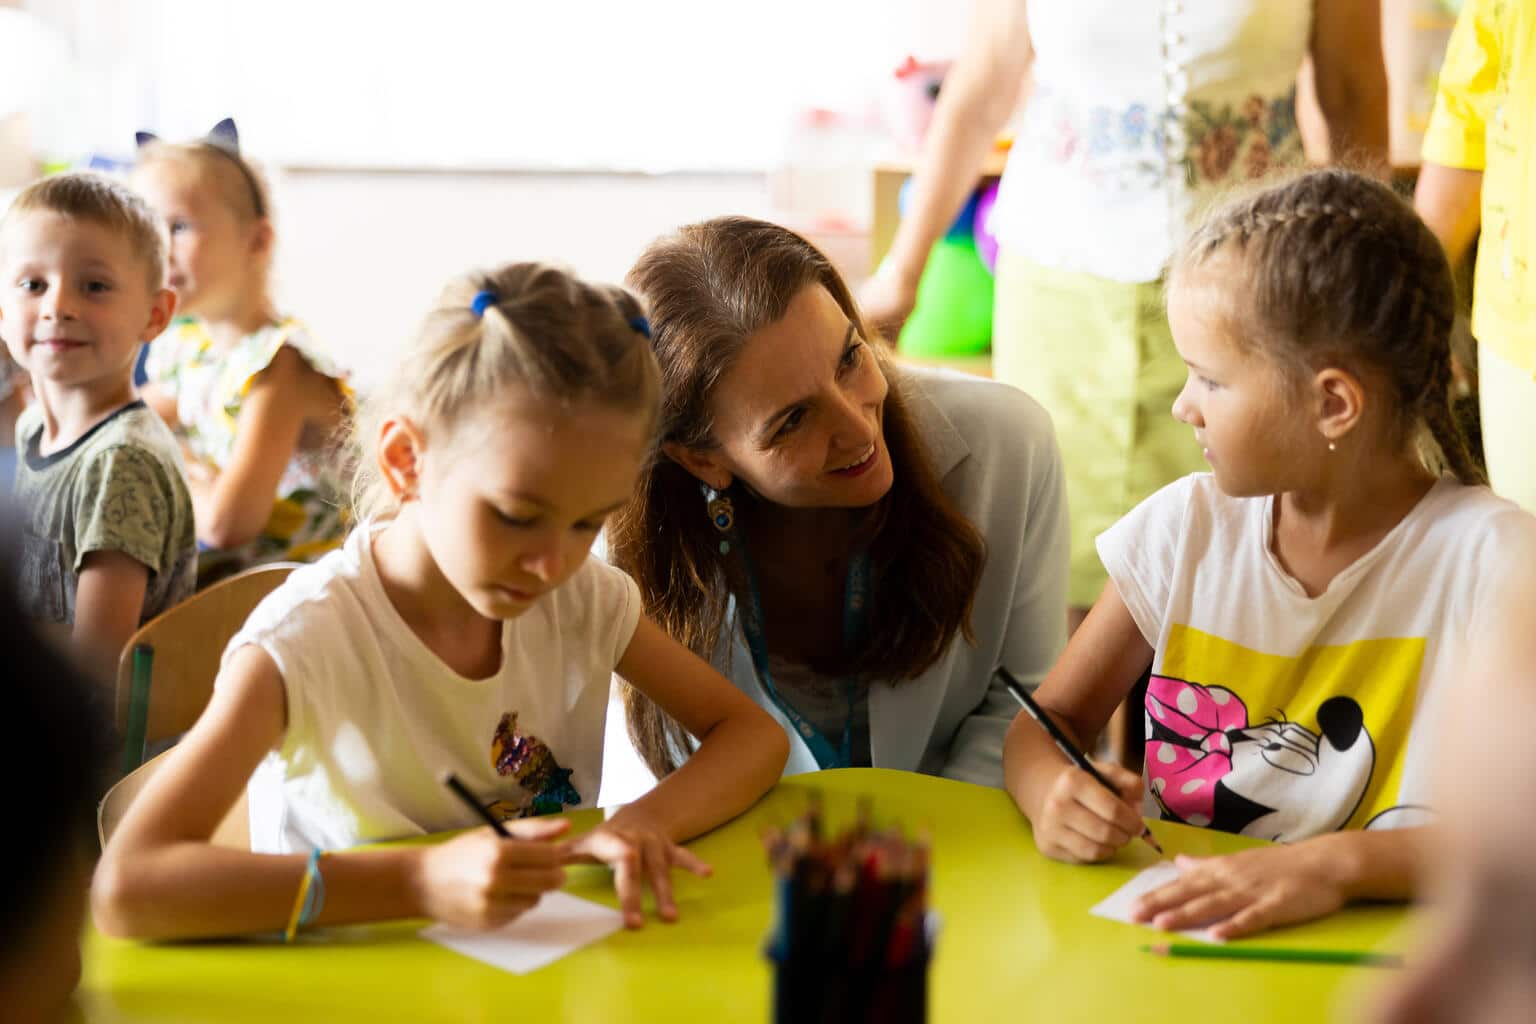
x=853 y=934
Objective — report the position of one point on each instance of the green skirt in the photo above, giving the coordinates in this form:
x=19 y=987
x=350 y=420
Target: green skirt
x=1099 y=356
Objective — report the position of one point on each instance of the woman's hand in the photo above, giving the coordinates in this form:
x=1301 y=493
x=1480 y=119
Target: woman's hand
x=481 y=880
x=1243 y=893
x=639 y=854
x=1081 y=822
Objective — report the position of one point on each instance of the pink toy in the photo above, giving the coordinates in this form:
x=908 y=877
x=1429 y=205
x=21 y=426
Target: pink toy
x=986 y=241
x=909 y=103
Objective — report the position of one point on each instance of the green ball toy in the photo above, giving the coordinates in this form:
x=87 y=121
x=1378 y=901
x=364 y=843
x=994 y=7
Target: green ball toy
x=953 y=315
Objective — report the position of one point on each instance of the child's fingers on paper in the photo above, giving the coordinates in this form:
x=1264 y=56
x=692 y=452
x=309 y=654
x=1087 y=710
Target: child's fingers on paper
x=1176 y=893
x=1199 y=911
x=538 y=828
x=1258 y=916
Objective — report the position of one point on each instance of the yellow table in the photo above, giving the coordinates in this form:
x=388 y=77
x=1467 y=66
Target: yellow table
x=1016 y=943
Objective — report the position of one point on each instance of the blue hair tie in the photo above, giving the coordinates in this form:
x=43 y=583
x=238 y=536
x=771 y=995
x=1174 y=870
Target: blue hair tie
x=642 y=325
x=481 y=300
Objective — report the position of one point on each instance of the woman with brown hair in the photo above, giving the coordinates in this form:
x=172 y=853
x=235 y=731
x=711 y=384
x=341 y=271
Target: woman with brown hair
x=855 y=546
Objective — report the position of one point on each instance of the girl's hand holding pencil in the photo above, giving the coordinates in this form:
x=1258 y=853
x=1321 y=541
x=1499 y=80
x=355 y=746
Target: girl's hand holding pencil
x=637 y=850
x=1086 y=810
x=482 y=880
x=1081 y=821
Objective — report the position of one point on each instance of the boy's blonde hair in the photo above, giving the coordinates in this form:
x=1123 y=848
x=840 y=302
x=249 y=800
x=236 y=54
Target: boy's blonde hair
x=541 y=328
x=91 y=197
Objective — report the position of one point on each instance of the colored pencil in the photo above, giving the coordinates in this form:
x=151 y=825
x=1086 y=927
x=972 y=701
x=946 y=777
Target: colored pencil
x=1065 y=745
x=1275 y=953
x=462 y=792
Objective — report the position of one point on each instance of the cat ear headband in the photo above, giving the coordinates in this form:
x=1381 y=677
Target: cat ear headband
x=222 y=138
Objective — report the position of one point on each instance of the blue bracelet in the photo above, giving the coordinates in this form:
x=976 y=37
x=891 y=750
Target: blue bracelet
x=310 y=897
x=314 y=899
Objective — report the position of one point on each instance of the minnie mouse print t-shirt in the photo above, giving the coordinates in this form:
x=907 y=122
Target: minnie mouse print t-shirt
x=1282 y=716
x=375 y=718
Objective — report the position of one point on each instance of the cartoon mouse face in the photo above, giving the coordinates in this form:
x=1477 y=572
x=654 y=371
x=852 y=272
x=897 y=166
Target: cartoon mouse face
x=1207 y=766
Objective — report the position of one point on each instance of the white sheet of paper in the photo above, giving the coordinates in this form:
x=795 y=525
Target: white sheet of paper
x=559 y=924
x=1117 y=905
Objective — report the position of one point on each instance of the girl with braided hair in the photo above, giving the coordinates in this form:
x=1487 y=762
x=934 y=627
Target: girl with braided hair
x=1311 y=605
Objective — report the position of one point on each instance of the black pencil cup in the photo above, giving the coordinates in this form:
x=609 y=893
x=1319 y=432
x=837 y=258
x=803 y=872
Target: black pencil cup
x=826 y=989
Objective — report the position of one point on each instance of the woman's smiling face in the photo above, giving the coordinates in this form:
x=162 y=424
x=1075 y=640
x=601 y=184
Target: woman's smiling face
x=799 y=416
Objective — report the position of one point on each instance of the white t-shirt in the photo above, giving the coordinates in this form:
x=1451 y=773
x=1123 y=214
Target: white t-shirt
x=1283 y=716
x=374 y=717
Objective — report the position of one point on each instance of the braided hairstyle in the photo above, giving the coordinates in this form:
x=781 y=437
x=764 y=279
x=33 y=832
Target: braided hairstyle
x=1341 y=271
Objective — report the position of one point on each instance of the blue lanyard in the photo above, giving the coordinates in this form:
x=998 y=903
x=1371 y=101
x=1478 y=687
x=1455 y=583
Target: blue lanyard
x=855 y=614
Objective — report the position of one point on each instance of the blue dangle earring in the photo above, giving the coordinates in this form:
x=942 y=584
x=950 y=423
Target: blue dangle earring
x=722 y=515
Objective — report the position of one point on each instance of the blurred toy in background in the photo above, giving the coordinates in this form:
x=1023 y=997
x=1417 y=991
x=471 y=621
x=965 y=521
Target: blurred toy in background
x=986 y=239
x=953 y=315
x=910 y=99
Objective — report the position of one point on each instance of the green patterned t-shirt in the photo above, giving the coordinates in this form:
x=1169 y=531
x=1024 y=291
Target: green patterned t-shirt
x=118 y=488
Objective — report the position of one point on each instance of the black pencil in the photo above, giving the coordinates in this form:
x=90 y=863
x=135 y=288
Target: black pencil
x=462 y=792
x=1063 y=744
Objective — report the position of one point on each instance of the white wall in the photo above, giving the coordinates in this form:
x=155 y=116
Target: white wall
x=362 y=256
x=484 y=84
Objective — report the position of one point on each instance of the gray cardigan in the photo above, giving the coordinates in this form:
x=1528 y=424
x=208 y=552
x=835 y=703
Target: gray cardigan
x=996 y=457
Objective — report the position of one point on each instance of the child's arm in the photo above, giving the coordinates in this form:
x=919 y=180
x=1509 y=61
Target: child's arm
x=1351 y=77
x=1073 y=817
x=160 y=878
x=741 y=754
x=1450 y=200
x=109 y=601
x=234 y=507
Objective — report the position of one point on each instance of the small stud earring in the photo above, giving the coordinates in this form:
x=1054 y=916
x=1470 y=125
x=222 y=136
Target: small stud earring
x=1333 y=446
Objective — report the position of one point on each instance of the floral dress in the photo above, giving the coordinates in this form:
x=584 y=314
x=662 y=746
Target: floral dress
x=1140 y=113
x=209 y=387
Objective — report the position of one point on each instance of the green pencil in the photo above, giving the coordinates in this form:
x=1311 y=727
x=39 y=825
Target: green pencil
x=1304 y=956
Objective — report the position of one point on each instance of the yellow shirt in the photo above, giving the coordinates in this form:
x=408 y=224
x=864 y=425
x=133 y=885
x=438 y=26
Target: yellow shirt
x=1485 y=120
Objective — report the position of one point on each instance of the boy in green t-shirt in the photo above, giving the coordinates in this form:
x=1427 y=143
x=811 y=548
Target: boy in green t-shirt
x=109 y=540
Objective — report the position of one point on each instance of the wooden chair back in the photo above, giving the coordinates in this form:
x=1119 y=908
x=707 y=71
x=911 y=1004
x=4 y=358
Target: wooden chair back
x=234 y=831
x=166 y=672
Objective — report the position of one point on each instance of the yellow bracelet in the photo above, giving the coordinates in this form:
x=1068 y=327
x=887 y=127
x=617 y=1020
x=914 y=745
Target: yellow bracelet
x=301 y=898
